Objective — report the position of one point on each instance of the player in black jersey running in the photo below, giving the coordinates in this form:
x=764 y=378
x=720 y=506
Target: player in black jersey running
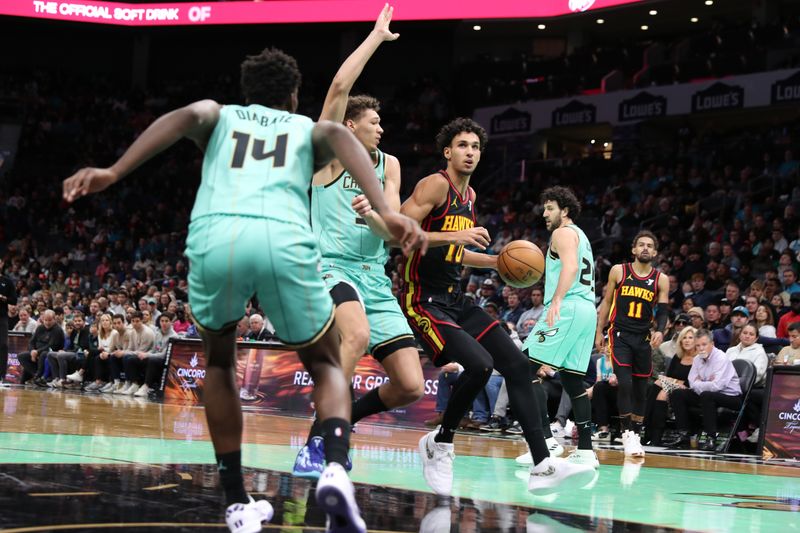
x=455 y=329
x=636 y=294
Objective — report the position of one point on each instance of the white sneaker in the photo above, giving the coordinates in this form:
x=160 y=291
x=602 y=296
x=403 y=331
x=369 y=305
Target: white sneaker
x=556 y=450
x=142 y=391
x=109 y=387
x=246 y=396
x=55 y=383
x=75 y=377
x=632 y=444
x=119 y=386
x=336 y=496
x=131 y=390
x=557 y=430
x=753 y=437
x=584 y=457
x=247 y=517
x=94 y=386
x=437 y=463
x=555 y=474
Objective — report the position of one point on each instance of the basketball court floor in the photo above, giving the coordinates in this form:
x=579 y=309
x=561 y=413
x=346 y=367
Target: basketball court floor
x=80 y=462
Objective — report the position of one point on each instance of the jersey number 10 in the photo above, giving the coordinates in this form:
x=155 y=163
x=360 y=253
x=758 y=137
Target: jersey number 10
x=257 y=152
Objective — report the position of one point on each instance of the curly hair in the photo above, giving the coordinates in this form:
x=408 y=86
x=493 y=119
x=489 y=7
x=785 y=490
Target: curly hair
x=565 y=199
x=269 y=78
x=460 y=125
x=645 y=234
x=360 y=103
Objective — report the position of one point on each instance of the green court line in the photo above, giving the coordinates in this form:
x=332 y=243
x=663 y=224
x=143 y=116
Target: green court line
x=658 y=496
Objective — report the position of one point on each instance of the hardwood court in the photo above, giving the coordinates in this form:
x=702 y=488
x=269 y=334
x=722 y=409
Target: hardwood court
x=80 y=462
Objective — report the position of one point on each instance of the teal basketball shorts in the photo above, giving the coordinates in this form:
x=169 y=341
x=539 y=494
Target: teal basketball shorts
x=388 y=328
x=567 y=345
x=234 y=257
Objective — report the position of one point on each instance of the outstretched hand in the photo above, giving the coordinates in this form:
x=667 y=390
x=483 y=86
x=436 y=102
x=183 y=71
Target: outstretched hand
x=382 y=24
x=86 y=181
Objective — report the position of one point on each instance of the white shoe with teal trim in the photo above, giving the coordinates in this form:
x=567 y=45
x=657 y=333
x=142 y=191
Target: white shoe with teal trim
x=584 y=457
x=556 y=474
x=553 y=446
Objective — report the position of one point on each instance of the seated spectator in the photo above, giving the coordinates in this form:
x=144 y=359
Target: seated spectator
x=98 y=362
x=181 y=323
x=779 y=306
x=675 y=377
x=260 y=329
x=117 y=343
x=713 y=382
x=26 y=323
x=74 y=354
x=713 y=317
x=484 y=403
x=513 y=311
x=750 y=350
x=728 y=336
x=792 y=316
x=697 y=316
x=48 y=336
x=242 y=327
x=157 y=356
x=790 y=355
x=529 y=318
x=765 y=322
x=700 y=295
x=668 y=349
x=751 y=303
x=137 y=350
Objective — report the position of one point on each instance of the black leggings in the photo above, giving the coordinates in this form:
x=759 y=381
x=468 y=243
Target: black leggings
x=632 y=392
x=495 y=349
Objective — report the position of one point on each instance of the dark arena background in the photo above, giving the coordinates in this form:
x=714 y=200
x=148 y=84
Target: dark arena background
x=678 y=116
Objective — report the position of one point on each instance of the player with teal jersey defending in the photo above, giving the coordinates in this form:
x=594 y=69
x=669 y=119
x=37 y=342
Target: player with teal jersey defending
x=565 y=338
x=354 y=251
x=249 y=234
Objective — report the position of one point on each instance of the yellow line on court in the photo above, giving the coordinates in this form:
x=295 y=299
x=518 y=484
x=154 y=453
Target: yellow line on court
x=161 y=487
x=49 y=494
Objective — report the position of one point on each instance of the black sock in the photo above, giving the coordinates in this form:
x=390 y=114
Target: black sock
x=445 y=435
x=541 y=397
x=367 y=405
x=229 y=466
x=315 y=431
x=336 y=433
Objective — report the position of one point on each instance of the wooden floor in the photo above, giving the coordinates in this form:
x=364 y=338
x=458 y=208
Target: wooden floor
x=49 y=435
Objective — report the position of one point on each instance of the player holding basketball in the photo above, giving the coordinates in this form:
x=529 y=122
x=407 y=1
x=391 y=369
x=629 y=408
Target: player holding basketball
x=455 y=329
x=250 y=233
x=353 y=256
x=636 y=292
x=563 y=339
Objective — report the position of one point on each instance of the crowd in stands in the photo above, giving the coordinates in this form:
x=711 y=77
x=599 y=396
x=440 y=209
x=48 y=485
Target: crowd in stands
x=108 y=272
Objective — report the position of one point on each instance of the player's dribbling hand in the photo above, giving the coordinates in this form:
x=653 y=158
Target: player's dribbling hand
x=361 y=205
x=478 y=237
x=86 y=181
x=382 y=24
x=406 y=232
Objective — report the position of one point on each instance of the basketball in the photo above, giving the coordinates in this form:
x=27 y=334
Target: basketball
x=520 y=264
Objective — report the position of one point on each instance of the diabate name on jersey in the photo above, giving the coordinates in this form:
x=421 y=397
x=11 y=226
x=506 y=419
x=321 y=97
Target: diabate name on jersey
x=456 y=223
x=263 y=120
x=638 y=292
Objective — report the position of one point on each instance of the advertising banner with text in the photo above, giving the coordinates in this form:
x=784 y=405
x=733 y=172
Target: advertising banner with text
x=628 y=107
x=291 y=11
x=781 y=433
x=17 y=343
x=271 y=378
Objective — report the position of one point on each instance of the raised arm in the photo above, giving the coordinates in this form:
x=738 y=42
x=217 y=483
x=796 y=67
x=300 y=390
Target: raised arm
x=336 y=99
x=334 y=140
x=195 y=121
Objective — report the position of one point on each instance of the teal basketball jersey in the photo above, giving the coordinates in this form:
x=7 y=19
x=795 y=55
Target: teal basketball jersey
x=583 y=286
x=259 y=162
x=341 y=232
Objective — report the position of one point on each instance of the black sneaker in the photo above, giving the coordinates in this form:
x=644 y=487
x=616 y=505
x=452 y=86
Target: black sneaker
x=494 y=425
x=514 y=429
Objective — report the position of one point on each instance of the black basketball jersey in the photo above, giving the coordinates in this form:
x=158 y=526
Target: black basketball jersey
x=634 y=302
x=439 y=271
